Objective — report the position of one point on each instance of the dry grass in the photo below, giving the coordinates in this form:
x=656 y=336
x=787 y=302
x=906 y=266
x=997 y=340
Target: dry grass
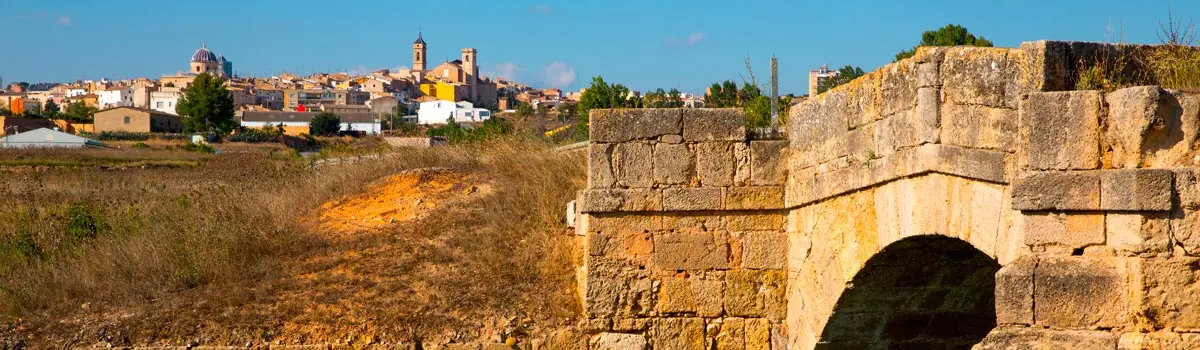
x=1122 y=65
x=218 y=254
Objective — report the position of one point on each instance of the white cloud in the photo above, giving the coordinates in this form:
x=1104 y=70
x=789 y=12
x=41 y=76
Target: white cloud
x=63 y=20
x=506 y=70
x=558 y=74
x=400 y=68
x=541 y=9
x=693 y=39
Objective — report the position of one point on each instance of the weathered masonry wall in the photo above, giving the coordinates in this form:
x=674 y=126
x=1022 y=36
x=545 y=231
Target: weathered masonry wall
x=686 y=246
x=958 y=198
x=1107 y=192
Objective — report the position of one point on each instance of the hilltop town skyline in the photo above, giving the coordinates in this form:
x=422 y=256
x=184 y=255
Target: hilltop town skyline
x=663 y=45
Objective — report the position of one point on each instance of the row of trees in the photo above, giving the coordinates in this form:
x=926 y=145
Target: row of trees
x=77 y=112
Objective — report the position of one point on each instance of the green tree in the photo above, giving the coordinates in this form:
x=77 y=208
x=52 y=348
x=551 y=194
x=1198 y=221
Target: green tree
x=674 y=99
x=601 y=95
x=845 y=75
x=524 y=110
x=79 y=112
x=722 y=94
x=324 y=124
x=207 y=106
x=950 y=35
x=747 y=94
x=758 y=112
x=50 y=110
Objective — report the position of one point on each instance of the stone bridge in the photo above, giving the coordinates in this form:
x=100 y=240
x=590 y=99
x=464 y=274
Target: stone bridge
x=960 y=198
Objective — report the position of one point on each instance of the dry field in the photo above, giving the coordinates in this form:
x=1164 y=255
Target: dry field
x=251 y=247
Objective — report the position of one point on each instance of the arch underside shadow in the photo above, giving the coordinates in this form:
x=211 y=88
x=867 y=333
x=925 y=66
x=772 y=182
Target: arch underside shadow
x=921 y=292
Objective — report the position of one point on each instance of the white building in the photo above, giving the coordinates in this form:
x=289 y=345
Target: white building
x=72 y=92
x=116 y=97
x=164 y=101
x=366 y=123
x=438 y=112
x=46 y=138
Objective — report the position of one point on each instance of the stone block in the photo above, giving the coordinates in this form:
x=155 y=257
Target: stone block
x=600 y=167
x=864 y=99
x=1075 y=190
x=697 y=295
x=818 y=119
x=692 y=199
x=924 y=123
x=623 y=125
x=742 y=165
x=705 y=124
x=616 y=288
x=679 y=333
x=1185 y=218
x=979 y=127
x=927 y=74
x=624 y=222
x=673 y=164
x=1060 y=130
x=1133 y=115
x=751 y=293
x=758 y=334
x=732 y=334
x=714 y=164
x=691 y=251
x=767 y=165
x=630 y=200
x=753 y=198
x=1071 y=230
x=980 y=76
x=630 y=325
x=1136 y=189
x=764 y=250
x=1081 y=292
x=898 y=83
x=966 y=162
x=1014 y=292
x=755 y=221
x=619 y=341
x=1171 y=292
x=1012 y=338
x=634 y=164
x=671 y=138
x=1158 y=341
x=1138 y=233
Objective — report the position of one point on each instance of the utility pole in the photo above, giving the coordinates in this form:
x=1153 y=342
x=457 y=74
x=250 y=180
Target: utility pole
x=774 y=92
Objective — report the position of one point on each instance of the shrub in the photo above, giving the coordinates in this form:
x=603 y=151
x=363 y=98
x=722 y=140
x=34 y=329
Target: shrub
x=325 y=124
x=82 y=224
x=123 y=136
x=249 y=135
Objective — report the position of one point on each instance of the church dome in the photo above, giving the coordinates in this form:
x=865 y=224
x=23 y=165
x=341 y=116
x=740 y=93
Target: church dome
x=221 y=59
x=203 y=55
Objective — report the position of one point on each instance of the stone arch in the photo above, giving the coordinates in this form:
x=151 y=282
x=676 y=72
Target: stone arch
x=833 y=240
x=920 y=292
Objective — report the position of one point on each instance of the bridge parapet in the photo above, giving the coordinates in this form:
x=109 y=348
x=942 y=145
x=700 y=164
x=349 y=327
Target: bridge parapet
x=883 y=219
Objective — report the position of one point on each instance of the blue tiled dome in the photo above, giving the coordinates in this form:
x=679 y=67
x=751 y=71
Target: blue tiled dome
x=203 y=55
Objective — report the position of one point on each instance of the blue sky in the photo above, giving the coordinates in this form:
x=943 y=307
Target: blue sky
x=642 y=44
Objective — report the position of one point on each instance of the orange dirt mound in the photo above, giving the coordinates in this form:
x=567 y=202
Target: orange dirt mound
x=399 y=198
